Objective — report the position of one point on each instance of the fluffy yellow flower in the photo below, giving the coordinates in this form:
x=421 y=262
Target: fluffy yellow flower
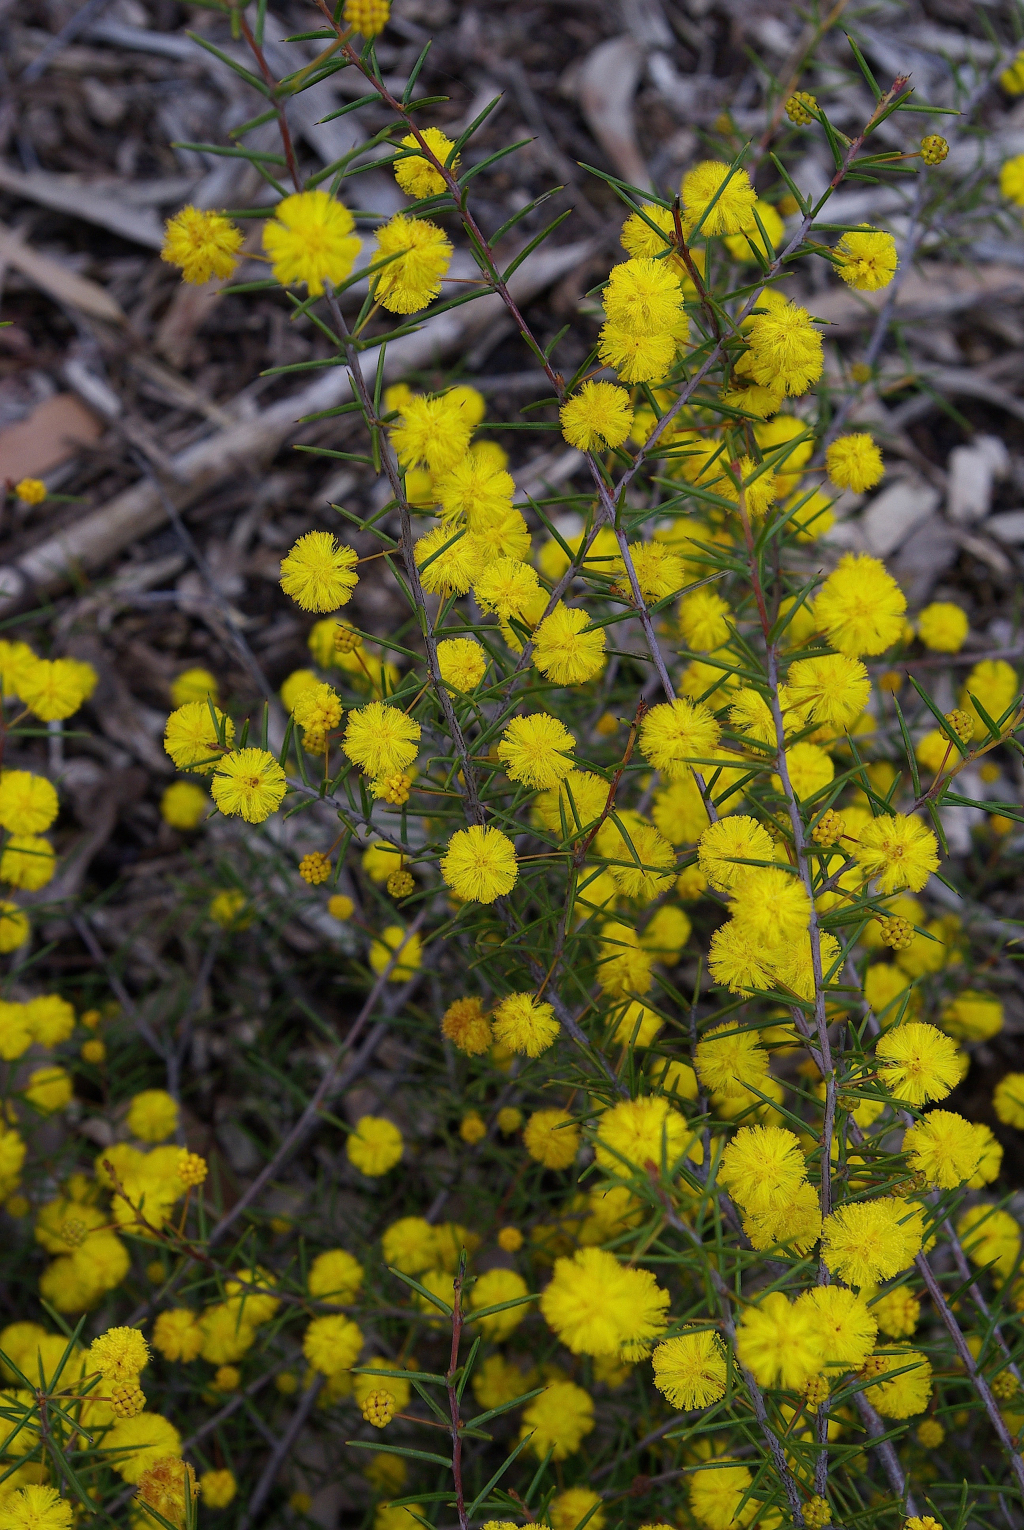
x=690 y=1370
x=191 y=737
x=319 y=572
x=202 y=243
x=480 y=864
x=552 y=1138
x=833 y=688
x=727 y=847
x=396 y=943
x=866 y=259
x=462 y=662
x=420 y=254
x=1008 y=1099
x=719 y=197
x=332 y=1343
x=943 y=626
x=537 y=750
x=415 y=174
x=903 y=1395
x=28 y=803
x=466 y=1026
x=860 y=607
x=917 y=1063
x=900 y=851
x=380 y=739
x=558 y=1420
x=183 y=805
x=523 y=1025
x=250 y=784
x=27 y=861
x=771 y=906
x=995 y=685
x=864 y=1242
x=785 y=349
x=845 y=1326
x=152 y=1115
x=507 y=587
x=598 y=415
x=778 y=1341
x=565 y=651
x=310 y=239
x=374 y=1147
x=677 y=732
x=972 y=1016
x=54 y=689
x=762 y=1167
x=728 y=1060
x=598 y=1306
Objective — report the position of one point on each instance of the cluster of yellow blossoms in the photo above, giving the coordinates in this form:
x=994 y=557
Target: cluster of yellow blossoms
x=633 y=790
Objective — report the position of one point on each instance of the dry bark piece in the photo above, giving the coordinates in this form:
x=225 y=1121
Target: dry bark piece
x=607 y=85
x=57 y=281
x=973 y=470
x=96 y=203
x=937 y=288
x=893 y=514
x=51 y=434
x=93 y=539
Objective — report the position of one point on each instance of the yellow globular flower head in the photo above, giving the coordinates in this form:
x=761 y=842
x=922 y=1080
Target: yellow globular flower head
x=1012 y=81
x=415 y=174
x=193 y=685
x=972 y=1016
x=897 y=1312
x=31 y=491
x=142 y=1443
x=375 y=1146
x=397 y=944
x=319 y=572
x=332 y=1343
x=480 y=864
x=917 y=1063
x=643 y=297
x=635 y=356
x=48 y=1089
x=943 y=626
x=864 y=1242
x=491 y=1290
x=314 y=868
x=690 y=1370
x=472 y=1127
x=523 y=1025
x=639 y=238
x=636 y=1133
x=449 y=559
x=580 y=797
x=659 y=571
x=421 y=255
x=177 y=1334
x=777 y=1341
x=860 y=607
x=191 y=736
x=809 y=770
x=846 y=1327
x=537 y=750
x=380 y=739
x=770 y=906
x=310 y=239
x=27 y=861
x=1008 y=1100
x=903 y=1395
x=943 y=1147
x=728 y=1060
x=704 y=619
x=726 y=848
x=183 y=805
x=336 y=1274
x=558 y=1420
x=854 y=462
x=866 y=259
x=737 y=961
x=762 y=1167
x=900 y=851
x=716 y=1493
x=510 y=1239
x=763 y=235
x=599 y=415
x=119 y=1354
x=202 y=243
x=433 y=432
x=995 y=685
x=785 y=350
x=569 y=1509
x=1011 y=179
x=462 y=662
x=192 y=1169
x=719 y=197
x=597 y=1306
x=368 y=17
x=34 y=1506
x=54 y=689
x=28 y=803
x=552 y=1138
x=152 y=1115
x=467 y=1027
x=801 y=107
x=249 y=784
x=833 y=688
x=507 y=586
x=410 y=1244
x=565 y=651
x=217 y=1488
x=677 y=732
x=641 y=860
